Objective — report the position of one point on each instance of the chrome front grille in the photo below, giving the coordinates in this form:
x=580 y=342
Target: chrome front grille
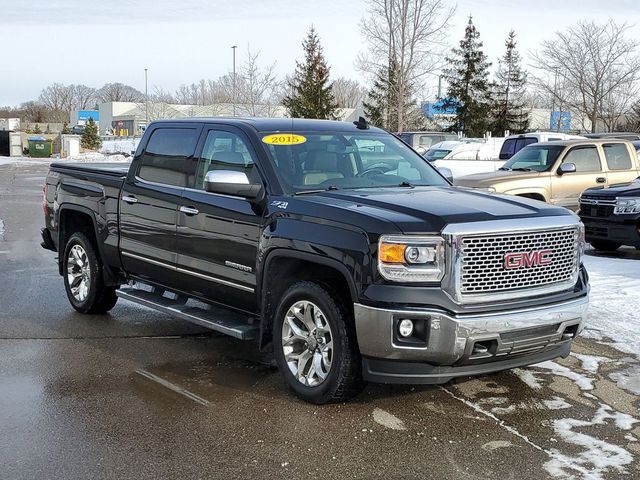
x=514 y=259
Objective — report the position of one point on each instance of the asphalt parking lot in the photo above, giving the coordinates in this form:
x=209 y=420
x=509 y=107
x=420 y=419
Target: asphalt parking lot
x=136 y=394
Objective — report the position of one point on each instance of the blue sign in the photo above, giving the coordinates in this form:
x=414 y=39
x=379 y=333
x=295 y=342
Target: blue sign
x=560 y=120
x=438 y=107
x=84 y=115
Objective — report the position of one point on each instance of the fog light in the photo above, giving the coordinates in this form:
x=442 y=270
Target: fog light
x=405 y=328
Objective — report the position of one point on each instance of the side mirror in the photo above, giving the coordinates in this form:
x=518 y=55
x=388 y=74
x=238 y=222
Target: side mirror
x=446 y=173
x=566 y=168
x=231 y=182
x=421 y=151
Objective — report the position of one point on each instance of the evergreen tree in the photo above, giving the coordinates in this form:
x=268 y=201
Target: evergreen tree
x=65 y=129
x=90 y=138
x=509 y=110
x=311 y=95
x=469 y=90
x=37 y=129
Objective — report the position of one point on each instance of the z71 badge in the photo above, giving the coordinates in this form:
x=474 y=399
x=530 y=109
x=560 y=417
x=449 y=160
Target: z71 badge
x=280 y=204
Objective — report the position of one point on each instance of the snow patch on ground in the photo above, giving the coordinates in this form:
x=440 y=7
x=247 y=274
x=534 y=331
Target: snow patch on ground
x=91 y=157
x=1 y=230
x=23 y=161
x=598 y=456
x=388 y=420
x=528 y=377
x=557 y=403
x=591 y=363
x=615 y=302
x=583 y=382
x=628 y=379
x=496 y=444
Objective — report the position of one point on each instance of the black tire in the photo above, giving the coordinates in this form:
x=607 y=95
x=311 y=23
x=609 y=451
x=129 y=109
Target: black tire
x=605 y=246
x=344 y=379
x=99 y=297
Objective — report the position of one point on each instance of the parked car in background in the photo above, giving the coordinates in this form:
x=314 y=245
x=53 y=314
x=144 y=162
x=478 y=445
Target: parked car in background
x=470 y=157
x=514 y=143
x=620 y=135
x=612 y=216
x=558 y=172
x=77 y=129
x=422 y=141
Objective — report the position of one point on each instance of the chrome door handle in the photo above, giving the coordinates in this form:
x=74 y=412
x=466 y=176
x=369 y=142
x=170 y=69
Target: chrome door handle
x=189 y=210
x=601 y=179
x=129 y=199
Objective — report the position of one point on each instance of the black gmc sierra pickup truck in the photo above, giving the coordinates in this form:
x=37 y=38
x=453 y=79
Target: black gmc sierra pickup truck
x=612 y=216
x=332 y=244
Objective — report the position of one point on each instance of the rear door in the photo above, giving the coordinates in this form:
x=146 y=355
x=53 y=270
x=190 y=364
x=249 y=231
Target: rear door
x=218 y=234
x=621 y=166
x=149 y=202
x=566 y=189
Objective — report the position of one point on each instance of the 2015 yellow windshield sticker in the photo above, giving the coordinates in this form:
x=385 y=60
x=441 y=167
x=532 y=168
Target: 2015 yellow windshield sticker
x=284 y=139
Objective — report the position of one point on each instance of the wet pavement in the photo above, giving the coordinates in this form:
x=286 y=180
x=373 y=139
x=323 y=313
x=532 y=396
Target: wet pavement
x=136 y=394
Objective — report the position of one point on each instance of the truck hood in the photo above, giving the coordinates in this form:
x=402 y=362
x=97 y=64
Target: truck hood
x=423 y=209
x=489 y=178
x=631 y=189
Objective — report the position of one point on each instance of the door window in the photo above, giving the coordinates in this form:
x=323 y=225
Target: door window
x=586 y=159
x=617 y=156
x=224 y=151
x=164 y=158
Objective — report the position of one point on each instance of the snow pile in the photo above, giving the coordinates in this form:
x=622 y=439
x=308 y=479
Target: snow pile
x=628 y=379
x=93 y=157
x=125 y=145
x=613 y=309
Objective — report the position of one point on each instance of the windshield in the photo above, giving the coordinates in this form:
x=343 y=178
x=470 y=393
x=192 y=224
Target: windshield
x=511 y=146
x=436 y=154
x=320 y=161
x=538 y=158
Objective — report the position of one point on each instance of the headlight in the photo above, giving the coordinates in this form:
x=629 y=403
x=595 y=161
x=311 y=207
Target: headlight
x=627 y=205
x=411 y=258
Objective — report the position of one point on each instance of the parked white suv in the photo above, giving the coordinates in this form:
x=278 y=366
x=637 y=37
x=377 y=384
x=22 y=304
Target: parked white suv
x=514 y=143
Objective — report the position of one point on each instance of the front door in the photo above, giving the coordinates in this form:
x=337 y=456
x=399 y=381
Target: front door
x=149 y=203
x=218 y=234
x=566 y=189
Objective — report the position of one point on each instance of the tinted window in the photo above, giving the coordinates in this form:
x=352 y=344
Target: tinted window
x=586 y=159
x=164 y=158
x=224 y=151
x=512 y=146
x=436 y=154
x=617 y=156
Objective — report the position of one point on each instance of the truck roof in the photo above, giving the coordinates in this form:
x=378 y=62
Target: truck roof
x=578 y=141
x=278 y=124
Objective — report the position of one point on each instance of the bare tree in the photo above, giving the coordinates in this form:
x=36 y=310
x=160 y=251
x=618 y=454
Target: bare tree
x=348 y=93
x=59 y=100
x=119 y=92
x=160 y=95
x=84 y=98
x=410 y=35
x=582 y=68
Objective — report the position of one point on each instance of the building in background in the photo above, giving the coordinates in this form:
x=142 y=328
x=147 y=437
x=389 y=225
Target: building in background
x=81 y=117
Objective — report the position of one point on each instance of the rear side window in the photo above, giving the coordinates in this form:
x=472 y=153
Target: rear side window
x=586 y=159
x=512 y=146
x=617 y=156
x=165 y=157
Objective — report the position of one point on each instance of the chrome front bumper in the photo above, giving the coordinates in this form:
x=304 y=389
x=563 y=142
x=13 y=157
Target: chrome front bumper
x=470 y=339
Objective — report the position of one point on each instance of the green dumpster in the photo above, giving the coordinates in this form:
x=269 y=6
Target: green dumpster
x=40 y=147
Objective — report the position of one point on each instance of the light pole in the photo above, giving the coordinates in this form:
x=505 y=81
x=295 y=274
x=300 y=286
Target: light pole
x=146 y=98
x=233 y=47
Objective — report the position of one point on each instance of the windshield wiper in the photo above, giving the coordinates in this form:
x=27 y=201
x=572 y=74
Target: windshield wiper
x=406 y=184
x=523 y=169
x=319 y=190
x=504 y=168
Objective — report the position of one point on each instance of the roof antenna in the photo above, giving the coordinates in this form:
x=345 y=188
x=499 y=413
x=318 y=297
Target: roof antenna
x=362 y=124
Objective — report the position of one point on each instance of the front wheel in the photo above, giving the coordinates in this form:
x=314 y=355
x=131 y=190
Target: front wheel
x=82 y=270
x=315 y=345
x=605 y=246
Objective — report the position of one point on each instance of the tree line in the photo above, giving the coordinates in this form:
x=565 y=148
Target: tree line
x=590 y=69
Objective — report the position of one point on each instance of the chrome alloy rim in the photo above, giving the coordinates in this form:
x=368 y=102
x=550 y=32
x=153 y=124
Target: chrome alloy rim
x=307 y=343
x=78 y=273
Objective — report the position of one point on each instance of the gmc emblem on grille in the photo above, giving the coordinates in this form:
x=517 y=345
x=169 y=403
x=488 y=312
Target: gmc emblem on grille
x=536 y=258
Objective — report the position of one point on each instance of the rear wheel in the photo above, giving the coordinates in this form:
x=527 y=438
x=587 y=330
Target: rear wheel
x=605 y=246
x=82 y=270
x=315 y=345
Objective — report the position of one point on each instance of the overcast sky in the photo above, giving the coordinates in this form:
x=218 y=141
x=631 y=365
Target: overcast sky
x=181 y=41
